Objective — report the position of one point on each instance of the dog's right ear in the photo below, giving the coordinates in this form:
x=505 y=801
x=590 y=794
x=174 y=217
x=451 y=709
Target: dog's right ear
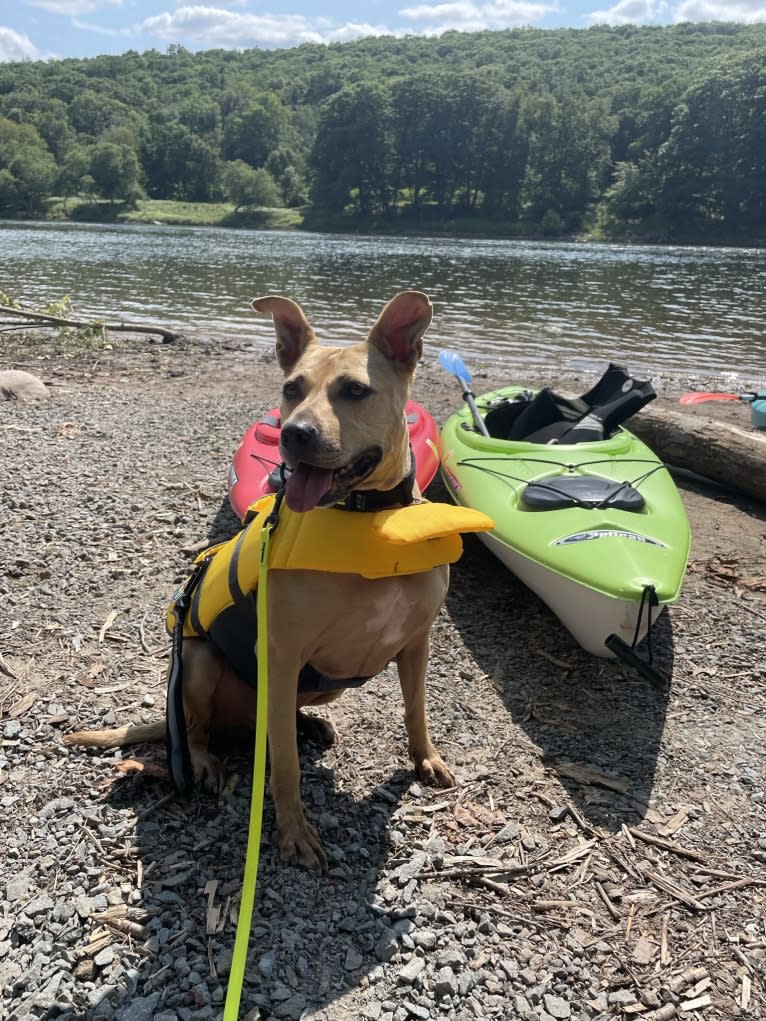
x=293 y=330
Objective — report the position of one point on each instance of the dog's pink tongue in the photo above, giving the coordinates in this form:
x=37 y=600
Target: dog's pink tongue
x=306 y=486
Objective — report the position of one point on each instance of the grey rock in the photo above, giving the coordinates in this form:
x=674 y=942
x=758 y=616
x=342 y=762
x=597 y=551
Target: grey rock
x=104 y=957
x=556 y=1006
x=452 y=958
x=445 y=983
x=140 y=1009
x=39 y=906
x=353 y=960
x=386 y=947
x=17 y=887
x=416 y=1010
x=410 y=972
x=292 y=1008
x=622 y=997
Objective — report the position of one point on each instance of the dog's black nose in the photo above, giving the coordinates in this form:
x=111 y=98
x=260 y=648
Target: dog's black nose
x=297 y=438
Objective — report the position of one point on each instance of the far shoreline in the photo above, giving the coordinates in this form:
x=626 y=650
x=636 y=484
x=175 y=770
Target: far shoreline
x=222 y=215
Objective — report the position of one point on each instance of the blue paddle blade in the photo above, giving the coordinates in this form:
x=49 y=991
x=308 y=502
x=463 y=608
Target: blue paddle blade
x=452 y=362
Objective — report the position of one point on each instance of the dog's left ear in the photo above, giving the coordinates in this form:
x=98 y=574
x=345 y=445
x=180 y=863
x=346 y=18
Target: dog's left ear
x=294 y=333
x=398 y=333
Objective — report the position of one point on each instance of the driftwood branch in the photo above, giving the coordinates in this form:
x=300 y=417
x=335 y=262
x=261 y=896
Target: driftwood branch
x=168 y=336
x=724 y=453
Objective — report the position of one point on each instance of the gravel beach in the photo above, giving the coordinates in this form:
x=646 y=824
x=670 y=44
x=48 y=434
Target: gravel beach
x=604 y=852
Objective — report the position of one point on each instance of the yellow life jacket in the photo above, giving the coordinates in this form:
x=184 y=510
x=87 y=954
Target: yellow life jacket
x=373 y=544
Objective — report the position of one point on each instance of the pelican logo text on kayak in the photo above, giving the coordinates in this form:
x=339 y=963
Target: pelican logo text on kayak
x=607 y=533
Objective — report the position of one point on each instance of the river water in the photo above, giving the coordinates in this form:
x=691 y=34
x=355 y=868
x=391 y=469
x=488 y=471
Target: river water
x=668 y=310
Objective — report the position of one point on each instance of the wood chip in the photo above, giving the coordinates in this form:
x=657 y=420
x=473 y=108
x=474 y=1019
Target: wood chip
x=686 y=978
x=668 y=845
x=744 y=996
x=590 y=776
x=110 y=619
x=23 y=705
x=6 y=669
x=664 y=1013
x=696 y=1004
x=644 y=951
x=668 y=886
x=213 y=913
x=673 y=825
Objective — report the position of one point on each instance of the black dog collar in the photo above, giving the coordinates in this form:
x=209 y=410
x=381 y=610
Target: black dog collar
x=379 y=499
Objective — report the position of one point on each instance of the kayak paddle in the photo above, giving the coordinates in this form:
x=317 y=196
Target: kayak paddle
x=453 y=363
x=698 y=398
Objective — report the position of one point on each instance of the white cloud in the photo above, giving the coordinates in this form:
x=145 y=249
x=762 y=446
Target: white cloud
x=14 y=46
x=748 y=11
x=469 y=16
x=112 y=33
x=72 y=8
x=216 y=26
x=625 y=12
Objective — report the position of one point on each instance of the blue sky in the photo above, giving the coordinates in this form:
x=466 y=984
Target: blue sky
x=50 y=29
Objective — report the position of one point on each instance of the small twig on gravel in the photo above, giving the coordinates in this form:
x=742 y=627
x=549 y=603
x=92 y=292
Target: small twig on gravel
x=144 y=644
x=613 y=911
x=5 y=668
x=509 y=916
x=737 y=884
x=675 y=891
x=543 y=906
x=668 y=845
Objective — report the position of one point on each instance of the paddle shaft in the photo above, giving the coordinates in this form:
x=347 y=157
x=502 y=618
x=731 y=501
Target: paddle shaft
x=469 y=399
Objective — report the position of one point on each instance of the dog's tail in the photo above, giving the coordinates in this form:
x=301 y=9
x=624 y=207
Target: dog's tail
x=119 y=736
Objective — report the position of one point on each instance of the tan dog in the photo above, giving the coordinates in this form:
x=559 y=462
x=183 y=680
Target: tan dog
x=343 y=430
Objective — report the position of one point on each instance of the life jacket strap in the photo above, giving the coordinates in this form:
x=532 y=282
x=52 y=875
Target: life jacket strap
x=176 y=738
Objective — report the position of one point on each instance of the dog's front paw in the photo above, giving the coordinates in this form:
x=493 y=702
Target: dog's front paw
x=434 y=770
x=208 y=771
x=299 y=844
x=316 y=729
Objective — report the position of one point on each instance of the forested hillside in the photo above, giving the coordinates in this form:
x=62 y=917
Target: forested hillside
x=649 y=132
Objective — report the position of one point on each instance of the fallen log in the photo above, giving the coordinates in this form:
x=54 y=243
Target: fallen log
x=44 y=319
x=721 y=452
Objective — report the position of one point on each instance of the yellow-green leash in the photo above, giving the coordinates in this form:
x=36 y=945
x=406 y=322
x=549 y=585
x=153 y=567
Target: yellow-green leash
x=244 y=922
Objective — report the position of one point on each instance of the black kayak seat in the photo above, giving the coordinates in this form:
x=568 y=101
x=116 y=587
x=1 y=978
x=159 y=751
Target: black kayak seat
x=547 y=417
x=581 y=491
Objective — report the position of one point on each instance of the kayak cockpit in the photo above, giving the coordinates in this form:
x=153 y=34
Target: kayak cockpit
x=549 y=418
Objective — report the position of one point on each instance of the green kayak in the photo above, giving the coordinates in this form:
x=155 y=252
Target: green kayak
x=595 y=526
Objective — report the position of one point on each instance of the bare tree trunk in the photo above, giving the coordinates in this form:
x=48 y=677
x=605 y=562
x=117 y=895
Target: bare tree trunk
x=168 y=336
x=724 y=453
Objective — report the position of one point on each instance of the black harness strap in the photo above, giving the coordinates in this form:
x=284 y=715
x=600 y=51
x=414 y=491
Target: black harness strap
x=176 y=739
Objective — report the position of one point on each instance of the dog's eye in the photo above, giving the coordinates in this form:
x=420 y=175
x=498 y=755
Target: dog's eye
x=291 y=391
x=357 y=391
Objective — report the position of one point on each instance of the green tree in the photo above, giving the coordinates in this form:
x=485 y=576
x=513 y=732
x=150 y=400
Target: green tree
x=73 y=171
x=250 y=186
x=252 y=133
x=29 y=170
x=713 y=165
x=352 y=151
x=115 y=171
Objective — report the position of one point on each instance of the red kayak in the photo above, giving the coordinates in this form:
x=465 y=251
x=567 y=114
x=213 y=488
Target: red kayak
x=254 y=469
